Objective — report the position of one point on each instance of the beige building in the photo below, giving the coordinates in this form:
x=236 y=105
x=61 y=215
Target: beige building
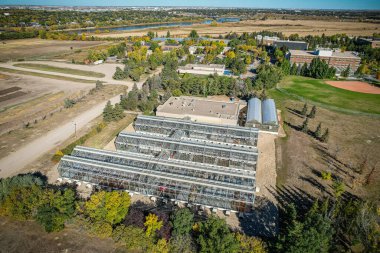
x=202 y=110
x=202 y=69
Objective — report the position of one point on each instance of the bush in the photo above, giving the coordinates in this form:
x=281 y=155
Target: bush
x=326 y=175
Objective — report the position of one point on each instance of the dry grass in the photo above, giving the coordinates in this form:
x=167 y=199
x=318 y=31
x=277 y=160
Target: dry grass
x=301 y=158
x=34 y=48
x=286 y=26
x=28 y=236
x=15 y=139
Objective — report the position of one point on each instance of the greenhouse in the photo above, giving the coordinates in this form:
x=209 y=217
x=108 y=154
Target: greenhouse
x=200 y=184
x=194 y=150
x=204 y=131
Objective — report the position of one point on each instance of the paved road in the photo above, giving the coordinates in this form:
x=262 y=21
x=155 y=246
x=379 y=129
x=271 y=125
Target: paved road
x=16 y=161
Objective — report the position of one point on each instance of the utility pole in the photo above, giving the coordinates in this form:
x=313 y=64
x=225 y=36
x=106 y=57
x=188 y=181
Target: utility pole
x=75 y=129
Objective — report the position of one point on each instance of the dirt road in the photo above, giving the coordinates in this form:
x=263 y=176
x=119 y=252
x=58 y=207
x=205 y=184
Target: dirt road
x=17 y=160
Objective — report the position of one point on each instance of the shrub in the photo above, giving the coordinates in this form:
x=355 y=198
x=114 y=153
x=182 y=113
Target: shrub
x=326 y=175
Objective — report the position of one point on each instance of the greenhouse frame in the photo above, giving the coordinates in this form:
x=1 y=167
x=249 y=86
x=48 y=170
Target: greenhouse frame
x=196 y=130
x=206 y=165
x=221 y=154
x=194 y=183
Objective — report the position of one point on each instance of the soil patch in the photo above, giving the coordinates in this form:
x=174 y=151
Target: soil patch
x=356 y=86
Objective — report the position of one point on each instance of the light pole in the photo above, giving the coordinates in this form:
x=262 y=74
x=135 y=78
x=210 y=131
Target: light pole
x=75 y=129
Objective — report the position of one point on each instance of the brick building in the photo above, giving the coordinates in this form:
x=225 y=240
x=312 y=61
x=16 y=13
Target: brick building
x=339 y=60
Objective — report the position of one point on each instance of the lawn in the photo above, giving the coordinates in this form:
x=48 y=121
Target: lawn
x=30 y=73
x=49 y=68
x=322 y=94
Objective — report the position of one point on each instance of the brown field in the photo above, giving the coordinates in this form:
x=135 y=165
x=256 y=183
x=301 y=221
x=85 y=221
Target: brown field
x=28 y=236
x=30 y=48
x=287 y=27
x=351 y=155
x=355 y=86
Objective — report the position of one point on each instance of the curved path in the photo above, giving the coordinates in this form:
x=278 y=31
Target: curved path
x=108 y=69
x=16 y=161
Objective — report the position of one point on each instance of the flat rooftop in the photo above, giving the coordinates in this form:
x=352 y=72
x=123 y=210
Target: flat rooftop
x=201 y=107
x=338 y=54
x=203 y=66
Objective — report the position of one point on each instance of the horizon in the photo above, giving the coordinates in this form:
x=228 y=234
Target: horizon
x=369 y=5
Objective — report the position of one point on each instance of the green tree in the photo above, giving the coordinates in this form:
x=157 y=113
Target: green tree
x=304 y=70
x=312 y=112
x=177 y=93
x=98 y=85
x=304 y=110
x=182 y=244
x=182 y=221
x=193 y=34
x=110 y=207
x=250 y=244
x=294 y=69
x=132 y=237
x=325 y=136
x=215 y=237
x=338 y=187
x=318 y=131
x=346 y=72
x=152 y=224
x=285 y=67
x=108 y=112
x=119 y=74
x=57 y=208
x=305 y=124
x=168 y=34
x=312 y=234
x=150 y=34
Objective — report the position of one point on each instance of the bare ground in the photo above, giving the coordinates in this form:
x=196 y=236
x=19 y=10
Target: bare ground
x=351 y=155
x=28 y=236
x=286 y=26
x=28 y=48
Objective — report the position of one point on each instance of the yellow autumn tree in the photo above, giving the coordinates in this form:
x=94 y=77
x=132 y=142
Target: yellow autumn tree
x=152 y=224
x=110 y=207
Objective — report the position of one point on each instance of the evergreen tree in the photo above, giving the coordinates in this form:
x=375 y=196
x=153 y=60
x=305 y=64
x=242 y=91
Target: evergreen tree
x=118 y=112
x=304 y=70
x=108 y=112
x=304 y=127
x=304 y=110
x=346 y=72
x=168 y=34
x=285 y=67
x=318 y=131
x=312 y=112
x=182 y=221
x=294 y=69
x=325 y=136
x=99 y=85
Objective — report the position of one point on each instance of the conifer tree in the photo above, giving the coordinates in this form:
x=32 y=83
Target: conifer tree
x=318 y=131
x=108 y=112
x=304 y=110
x=312 y=112
x=305 y=124
x=325 y=136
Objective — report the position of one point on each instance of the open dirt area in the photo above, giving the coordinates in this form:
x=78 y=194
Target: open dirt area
x=287 y=27
x=356 y=86
x=29 y=48
x=41 y=97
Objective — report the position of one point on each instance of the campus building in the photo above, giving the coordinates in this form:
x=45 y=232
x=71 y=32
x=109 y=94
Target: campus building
x=374 y=43
x=202 y=69
x=335 y=58
x=202 y=110
x=291 y=45
x=197 y=164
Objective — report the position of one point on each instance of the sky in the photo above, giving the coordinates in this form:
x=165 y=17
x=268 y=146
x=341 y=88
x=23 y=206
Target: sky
x=291 y=4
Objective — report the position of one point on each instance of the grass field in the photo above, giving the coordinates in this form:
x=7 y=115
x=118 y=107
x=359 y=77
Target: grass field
x=30 y=73
x=49 y=68
x=317 y=91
